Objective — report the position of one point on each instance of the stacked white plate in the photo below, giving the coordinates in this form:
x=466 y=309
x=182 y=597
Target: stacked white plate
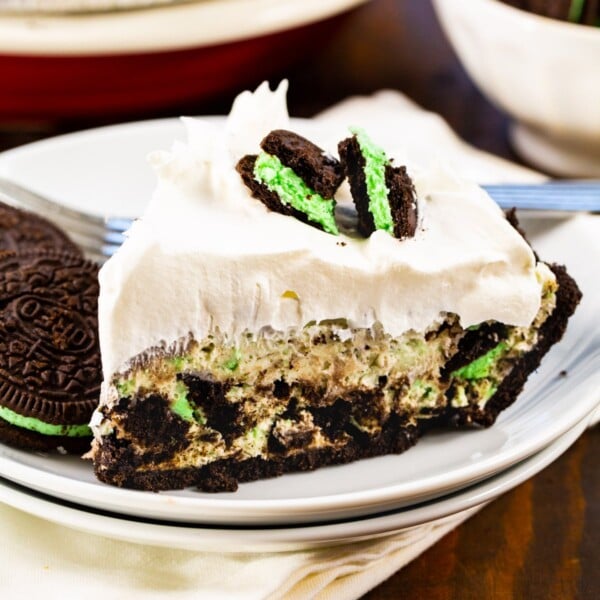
x=445 y=473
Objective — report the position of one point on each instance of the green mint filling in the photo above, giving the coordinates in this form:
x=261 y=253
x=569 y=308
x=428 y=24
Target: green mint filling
x=125 y=388
x=255 y=440
x=177 y=362
x=424 y=392
x=422 y=388
x=182 y=407
x=234 y=361
x=481 y=367
x=38 y=426
x=292 y=191
x=375 y=163
x=576 y=10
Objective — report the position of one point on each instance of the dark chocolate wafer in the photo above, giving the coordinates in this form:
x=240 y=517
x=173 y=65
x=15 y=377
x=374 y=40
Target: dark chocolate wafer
x=403 y=201
x=319 y=170
x=354 y=163
x=399 y=190
x=22 y=231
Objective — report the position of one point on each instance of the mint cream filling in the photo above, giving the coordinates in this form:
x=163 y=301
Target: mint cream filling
x=292 y=191
x=233 y=362
x=33 y=424
x=481 y=367
x=375 y=163
x=182 y=407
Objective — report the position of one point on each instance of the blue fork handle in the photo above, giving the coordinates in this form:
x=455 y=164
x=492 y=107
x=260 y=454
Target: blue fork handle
x=569 y=196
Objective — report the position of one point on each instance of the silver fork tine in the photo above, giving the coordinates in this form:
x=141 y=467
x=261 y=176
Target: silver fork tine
x=118 y=223
x=98 y=238
x=45 y=206
x=83 y=230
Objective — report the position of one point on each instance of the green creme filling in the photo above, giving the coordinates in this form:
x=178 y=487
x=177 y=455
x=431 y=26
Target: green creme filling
x=375 y=163
x=479 y=376
x=33 y=424
x=292 y=191
x=182 y=407
x=481 y=367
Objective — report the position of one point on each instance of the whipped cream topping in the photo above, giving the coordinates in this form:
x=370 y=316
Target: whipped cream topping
x=208 y=257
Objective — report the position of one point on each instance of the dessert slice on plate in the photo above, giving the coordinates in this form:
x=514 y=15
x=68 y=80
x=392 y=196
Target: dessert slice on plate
x=246 y=333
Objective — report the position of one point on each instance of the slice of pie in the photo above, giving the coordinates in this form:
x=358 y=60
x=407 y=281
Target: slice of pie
x=250 y=327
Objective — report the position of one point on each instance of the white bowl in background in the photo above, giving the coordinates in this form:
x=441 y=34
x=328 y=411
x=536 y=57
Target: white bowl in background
x=543 y=72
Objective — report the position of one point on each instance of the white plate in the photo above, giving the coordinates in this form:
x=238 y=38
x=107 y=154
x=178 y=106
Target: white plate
x=105 y=169
x=230 y=539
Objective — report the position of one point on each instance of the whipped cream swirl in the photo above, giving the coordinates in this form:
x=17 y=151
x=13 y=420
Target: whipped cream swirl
x=208 y=257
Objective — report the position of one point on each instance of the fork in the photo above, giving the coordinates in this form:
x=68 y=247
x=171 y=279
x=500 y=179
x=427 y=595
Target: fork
x=98 y=237
x=101 y=237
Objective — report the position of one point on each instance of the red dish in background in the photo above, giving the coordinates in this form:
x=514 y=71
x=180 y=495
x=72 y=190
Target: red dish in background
x=72 y=85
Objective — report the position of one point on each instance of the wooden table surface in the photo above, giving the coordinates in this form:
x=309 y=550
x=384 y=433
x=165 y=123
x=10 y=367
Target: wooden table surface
x=541 y=540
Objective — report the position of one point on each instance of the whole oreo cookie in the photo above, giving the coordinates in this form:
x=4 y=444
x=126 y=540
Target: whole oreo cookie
x=50 y=370
x=23 y=231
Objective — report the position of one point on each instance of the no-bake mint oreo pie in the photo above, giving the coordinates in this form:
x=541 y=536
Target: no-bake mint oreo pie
x=249 y=328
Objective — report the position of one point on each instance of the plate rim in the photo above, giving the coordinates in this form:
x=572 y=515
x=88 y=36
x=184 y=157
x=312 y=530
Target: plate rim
x=262 y=508
x=276 y=539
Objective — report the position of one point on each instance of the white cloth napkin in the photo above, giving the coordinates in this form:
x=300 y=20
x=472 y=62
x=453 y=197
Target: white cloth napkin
x=38 y=557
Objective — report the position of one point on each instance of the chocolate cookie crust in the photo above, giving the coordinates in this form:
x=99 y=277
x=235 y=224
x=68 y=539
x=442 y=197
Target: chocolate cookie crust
x=116 y=463
x=551 y=331
x=22 y=231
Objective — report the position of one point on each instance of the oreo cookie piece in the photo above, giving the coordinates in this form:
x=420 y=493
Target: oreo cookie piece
x=23 y=231
x=50 y=371
x=294 y=177
x=384 y=195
